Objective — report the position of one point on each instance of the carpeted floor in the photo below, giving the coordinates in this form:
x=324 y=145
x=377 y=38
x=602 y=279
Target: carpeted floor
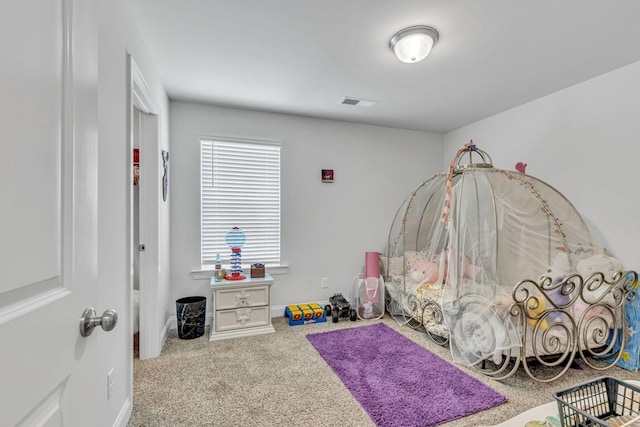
x=280 y=380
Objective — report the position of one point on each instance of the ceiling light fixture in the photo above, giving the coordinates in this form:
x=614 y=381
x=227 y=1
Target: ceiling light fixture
x=413 y=44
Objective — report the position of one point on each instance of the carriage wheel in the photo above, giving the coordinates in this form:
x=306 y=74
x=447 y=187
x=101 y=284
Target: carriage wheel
x=432 y=311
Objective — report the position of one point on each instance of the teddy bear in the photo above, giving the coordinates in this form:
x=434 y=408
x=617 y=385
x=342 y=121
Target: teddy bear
x=429 y=271
x=469 y=270
x=424 y=272
x=535 y=307
x=596 y=263
x=557 y=271
x=599 y=262
x=559 y=268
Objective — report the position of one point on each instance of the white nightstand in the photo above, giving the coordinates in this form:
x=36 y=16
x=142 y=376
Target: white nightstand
x=241 y=307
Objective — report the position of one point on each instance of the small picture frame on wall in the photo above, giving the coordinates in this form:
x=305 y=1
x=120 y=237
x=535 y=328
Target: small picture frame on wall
x=327 y=175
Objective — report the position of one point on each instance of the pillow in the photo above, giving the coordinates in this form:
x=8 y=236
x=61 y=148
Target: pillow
x=391 y=267
x=414 y=257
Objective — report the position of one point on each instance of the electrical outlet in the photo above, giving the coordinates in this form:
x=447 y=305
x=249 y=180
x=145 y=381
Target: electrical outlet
x=325 y=282
x=110 y=384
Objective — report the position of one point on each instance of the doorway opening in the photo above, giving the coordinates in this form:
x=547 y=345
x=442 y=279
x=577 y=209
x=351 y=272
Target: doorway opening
x=137 y=245
x=143 y=142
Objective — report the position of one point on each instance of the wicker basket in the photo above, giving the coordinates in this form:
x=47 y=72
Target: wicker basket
x=604 y=401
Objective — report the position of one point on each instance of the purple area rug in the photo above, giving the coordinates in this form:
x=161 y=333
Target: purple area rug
x=398 y=382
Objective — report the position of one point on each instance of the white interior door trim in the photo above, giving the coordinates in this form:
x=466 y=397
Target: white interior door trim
x=149 y=188
x=141 y=95
x=142 y=100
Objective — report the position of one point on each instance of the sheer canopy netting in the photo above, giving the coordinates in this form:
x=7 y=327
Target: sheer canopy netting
x=463 y=240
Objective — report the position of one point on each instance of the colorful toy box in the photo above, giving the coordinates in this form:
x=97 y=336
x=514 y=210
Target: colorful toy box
x=302 y=314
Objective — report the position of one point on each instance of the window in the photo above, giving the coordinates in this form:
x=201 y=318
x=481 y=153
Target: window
x=240 y=187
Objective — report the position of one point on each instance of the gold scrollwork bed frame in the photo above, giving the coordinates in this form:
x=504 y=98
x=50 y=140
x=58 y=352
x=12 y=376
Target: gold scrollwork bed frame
x=559 y=321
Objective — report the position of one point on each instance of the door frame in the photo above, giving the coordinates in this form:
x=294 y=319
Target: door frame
x=141 y=99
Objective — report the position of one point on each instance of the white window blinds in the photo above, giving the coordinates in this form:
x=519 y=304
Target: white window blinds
x=240 y=187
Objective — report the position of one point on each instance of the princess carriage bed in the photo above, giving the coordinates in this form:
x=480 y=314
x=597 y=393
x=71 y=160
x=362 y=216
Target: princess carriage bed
x=501 y=267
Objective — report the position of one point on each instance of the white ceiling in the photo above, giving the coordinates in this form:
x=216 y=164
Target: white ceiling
x=303 y=56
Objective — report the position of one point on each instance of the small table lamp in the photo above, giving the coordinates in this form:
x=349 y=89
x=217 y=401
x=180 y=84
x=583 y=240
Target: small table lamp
x=235 y=239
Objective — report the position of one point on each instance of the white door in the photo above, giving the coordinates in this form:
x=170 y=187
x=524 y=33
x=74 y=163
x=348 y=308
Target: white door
x=49 y=260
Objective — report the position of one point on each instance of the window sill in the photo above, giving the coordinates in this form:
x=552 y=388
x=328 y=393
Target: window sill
x=206 y=274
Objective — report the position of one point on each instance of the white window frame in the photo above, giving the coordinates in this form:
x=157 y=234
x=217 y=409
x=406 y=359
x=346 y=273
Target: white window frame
x=263 y=245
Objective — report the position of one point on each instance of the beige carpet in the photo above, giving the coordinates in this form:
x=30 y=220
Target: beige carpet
x=280 y=380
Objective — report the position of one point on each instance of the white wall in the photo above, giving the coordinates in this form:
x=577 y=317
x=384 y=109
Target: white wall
x=326 y=228
x=584 y=141
x=118 y=36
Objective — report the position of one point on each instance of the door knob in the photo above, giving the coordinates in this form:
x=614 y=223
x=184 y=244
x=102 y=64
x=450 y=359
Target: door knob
x=90 y=320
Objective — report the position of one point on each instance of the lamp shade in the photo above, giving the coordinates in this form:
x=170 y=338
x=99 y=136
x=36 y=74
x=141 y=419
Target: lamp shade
x=413 y=44
x=235 y=238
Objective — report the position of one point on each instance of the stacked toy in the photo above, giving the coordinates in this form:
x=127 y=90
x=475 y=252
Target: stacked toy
x=302 y=314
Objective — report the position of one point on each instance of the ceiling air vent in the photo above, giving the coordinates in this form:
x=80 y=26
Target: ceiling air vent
x=349 y=100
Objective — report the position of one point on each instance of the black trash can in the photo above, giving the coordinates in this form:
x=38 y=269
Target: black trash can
x=191 y=312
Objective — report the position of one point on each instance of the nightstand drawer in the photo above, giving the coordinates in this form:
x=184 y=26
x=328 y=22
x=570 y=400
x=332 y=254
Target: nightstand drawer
x=244 y=297
x=241 y=318
x=241 y=308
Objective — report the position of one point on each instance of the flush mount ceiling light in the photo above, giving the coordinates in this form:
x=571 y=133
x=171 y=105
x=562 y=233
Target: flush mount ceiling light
x=413 y=44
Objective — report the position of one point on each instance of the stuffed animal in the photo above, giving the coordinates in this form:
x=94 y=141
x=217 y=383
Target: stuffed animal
x=424 y=272
x=469 y=270
x=560 y=298
x=599 y=262
x=560 y=295
x=559 y=268
x=557 y=271
x=535 y=307
x=596 y=263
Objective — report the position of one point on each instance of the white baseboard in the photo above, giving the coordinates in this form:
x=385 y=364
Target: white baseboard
x=172 y=321
x=124 y=415
x=278 y=310
x=165 y=330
